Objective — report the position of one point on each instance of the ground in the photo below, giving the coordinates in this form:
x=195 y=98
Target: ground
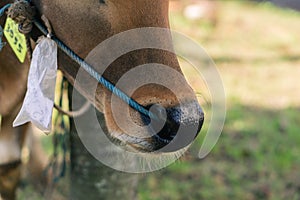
x=256 y=50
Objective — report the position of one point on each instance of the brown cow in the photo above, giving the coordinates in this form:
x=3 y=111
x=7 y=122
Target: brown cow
x=82 y=25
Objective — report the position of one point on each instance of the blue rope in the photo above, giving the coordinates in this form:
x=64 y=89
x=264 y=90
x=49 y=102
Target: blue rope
x=96 y=75
x=2 y=44
x=131 y=102
x=2 y=10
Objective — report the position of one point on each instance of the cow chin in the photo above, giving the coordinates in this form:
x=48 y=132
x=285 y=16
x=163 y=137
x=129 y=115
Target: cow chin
x=150 y=145
x=135 y=144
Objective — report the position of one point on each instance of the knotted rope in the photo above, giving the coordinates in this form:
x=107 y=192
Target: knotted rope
x=23 y=14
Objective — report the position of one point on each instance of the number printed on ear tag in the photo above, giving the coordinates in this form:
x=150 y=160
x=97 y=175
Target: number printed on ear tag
x=16 y=40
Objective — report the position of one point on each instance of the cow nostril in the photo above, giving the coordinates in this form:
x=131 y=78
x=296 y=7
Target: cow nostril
x=159 y=111
x=174 y=127
x=168 y=130
x=180 y=127
x=161 y=126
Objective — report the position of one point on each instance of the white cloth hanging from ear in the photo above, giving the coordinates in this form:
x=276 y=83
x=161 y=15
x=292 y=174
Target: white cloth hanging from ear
x=39 y=99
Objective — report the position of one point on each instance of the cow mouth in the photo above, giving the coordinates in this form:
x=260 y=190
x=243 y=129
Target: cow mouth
x=144 y=145
x=172 y=137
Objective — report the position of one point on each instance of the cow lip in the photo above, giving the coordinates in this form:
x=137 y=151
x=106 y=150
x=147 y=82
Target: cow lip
x=150 y=144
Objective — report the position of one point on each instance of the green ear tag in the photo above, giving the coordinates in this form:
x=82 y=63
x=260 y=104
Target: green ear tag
x=16 y=40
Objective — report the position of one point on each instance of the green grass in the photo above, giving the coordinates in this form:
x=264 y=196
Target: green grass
x=256 y=49
x=257 y=156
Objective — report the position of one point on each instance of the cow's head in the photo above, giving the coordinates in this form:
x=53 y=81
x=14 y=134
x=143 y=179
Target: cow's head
x=82 y=25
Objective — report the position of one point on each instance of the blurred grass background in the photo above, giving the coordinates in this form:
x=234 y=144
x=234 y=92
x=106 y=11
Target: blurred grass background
x=256 y=50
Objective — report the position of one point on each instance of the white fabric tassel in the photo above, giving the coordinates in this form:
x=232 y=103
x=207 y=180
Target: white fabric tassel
x=39 y=100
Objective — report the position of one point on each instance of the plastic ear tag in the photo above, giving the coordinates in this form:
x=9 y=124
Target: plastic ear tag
x=39 y=99
x=16 y=40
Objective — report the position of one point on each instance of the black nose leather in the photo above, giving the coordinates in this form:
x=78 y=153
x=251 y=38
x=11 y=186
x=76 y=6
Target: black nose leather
x=177 y=126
